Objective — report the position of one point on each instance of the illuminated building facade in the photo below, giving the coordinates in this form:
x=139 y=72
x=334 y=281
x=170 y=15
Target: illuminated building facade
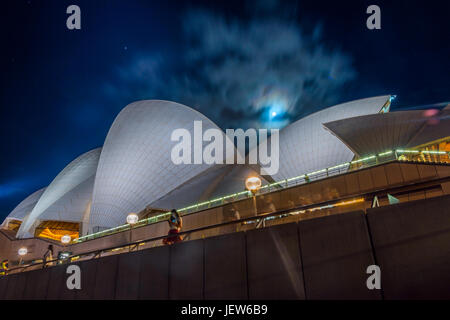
x=133 y=172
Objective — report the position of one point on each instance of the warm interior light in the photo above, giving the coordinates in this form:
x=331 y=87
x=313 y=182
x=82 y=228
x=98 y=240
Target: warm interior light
x=346 y=203
x=253 y=184
x=22 y=251
x=56 y=229
x=132 y=218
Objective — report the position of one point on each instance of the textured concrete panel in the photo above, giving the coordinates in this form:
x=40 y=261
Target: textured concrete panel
x=442 y=170
x=365 y=180
x=446 y=188
x=186 y=270
x=435 y=192
x=3 y=287
x=426 y=171
x=13 y=280
x=379 y=177
x=316 y=191
x=393 y=174
x=338 y=184
x=36 y=285
x=31 y=284
x=88 y=280
x=409 y=172
x=412 y=246
x=336 y=251
x=419 y=195
x=154 y=273
x=352 y=183
x=225 y=267
x=303 y=195
x=274 y=265
x=106 y=278
x=19 y=286
x=42 y=284
x=128 y=276
x=57 y=282
x=245 y=208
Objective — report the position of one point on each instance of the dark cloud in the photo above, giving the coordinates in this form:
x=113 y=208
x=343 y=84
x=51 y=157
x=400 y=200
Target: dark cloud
x=254 y=72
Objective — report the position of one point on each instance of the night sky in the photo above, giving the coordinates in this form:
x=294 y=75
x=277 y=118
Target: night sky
x=235 y=61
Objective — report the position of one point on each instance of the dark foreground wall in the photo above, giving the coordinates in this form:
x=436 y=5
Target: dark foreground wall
x=322 y=258
x=412 y=246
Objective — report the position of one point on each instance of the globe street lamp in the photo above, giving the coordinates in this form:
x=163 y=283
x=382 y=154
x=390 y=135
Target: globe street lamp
x=21 y=252
x=132 y=219
x=253 y=184
x=65 y=239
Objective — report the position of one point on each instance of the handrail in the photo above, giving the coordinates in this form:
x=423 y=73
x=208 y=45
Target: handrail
x=368 y=161
x=324 y=204
x=328 y=204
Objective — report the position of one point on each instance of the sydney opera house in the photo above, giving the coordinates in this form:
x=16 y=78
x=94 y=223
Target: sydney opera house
x=133 y=169
x=352 y=157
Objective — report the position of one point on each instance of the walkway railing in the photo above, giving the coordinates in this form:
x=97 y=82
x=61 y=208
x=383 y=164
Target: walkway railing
x=427 y=156
x=253 y=222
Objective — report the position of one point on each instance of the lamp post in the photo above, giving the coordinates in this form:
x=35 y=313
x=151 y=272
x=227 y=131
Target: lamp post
x=132 y=219
x=253 y=184
x=22 y=252
x=65 y=239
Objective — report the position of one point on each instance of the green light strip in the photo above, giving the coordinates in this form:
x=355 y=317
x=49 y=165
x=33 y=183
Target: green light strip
x=385 y=153
x=296 y=178
x=152 y=219
x=316 y=172
x=407 y=151
x=434 y=152
x=340 y=166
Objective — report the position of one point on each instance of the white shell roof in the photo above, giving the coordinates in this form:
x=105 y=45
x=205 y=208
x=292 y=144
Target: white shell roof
x=73 y=205
x=371 y=134
x=306 y=146
x=26 y=205
x=74 y=174
x=135 y=167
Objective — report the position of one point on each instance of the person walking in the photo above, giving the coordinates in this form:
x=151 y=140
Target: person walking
x=175 y=225
x=48 y=255
x=4 y=267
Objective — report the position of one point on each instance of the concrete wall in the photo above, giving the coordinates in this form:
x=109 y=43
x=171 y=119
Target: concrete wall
x=336 y=251
x=323 y=258
x=412 y=246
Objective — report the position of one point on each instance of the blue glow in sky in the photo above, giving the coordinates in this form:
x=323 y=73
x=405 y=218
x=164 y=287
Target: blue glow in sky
x=274 y=108
x=10 y=188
